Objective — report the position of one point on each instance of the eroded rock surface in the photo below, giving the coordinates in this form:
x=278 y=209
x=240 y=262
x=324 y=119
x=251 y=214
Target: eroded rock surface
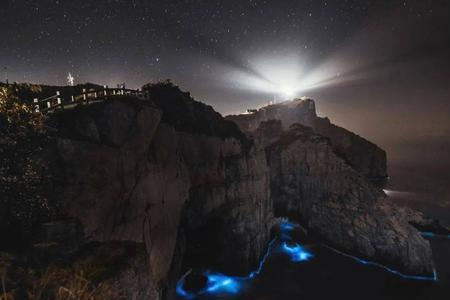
x=364 y=156
x=176 y=185
x=190 y=187
x=313 y=185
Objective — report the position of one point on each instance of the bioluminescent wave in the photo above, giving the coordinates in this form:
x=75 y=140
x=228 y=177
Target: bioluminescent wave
x=221 y=284
x=428 y=234
x=218 y=283
x=434 y=235
x=366 y=262
x=287 y=226
x=296 y=252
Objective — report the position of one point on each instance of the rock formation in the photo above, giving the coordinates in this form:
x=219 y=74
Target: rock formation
x=313 y=185
x=170 y=174
x=362 y=155
x=177 y=186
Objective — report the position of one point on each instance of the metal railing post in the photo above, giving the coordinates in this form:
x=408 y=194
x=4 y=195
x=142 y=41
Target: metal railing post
x=58 y=99
x=36 y=106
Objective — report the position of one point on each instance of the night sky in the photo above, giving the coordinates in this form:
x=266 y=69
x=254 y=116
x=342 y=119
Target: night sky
x=379 y=68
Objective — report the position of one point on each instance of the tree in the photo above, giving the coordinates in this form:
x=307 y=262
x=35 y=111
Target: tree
x=15 y=113
x=22 y=169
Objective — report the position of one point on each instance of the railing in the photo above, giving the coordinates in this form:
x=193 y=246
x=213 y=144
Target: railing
x=56 y=101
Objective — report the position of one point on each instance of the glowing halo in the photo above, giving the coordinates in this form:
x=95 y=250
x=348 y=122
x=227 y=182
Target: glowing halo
x=278 y=75
x=286 y=75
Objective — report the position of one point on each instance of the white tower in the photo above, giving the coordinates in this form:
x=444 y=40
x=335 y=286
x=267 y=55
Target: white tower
x=70 y=79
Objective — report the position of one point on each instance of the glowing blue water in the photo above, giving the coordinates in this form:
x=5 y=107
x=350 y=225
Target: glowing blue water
x=366 y=262
x=287 y=226
x=434 y=235
x=219 y=284
x=216 y=284
x=427 y=234
x=296 y=252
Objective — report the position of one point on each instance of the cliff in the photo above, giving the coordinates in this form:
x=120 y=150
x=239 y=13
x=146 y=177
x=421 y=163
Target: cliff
x=364 y=156
x=149 y=189
x=169 y=175
x=311 y=184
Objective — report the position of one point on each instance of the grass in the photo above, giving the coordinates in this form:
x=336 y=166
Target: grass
x=57 y=283
x=5 y=295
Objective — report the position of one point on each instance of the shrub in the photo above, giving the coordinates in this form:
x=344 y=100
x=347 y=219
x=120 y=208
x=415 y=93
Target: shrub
x=15 y=113
x=22 y=167
x=59 y=283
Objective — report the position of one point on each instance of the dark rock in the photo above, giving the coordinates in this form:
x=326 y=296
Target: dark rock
x=185 y=114
x=122 y=267
x=423 y=223
x=115 y=131
x=60 y=231
x=156 y=184
x=56 y=240
x=195 y=282
x=87 y=129
x=313 y=185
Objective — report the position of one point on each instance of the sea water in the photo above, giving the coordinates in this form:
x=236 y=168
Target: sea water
x=326 y=274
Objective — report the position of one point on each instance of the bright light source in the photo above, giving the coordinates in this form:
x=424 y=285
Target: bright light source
x=287 y=91
x=279 y=75
x=286 y=74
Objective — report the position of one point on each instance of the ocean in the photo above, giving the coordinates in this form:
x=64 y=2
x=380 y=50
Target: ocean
x=329 y=275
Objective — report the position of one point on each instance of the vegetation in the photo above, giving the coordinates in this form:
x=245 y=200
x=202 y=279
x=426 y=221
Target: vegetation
x=22 y=135
x=77 y=282
x=25 y=92
x=16 y=113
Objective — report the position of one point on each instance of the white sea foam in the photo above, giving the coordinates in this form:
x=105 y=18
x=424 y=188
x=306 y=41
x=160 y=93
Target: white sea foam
x=398 y=194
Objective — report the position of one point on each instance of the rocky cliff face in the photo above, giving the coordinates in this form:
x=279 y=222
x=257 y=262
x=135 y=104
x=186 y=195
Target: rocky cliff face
x=313 y=185
x=362 y=155
x=183 y=184
x=168 y=184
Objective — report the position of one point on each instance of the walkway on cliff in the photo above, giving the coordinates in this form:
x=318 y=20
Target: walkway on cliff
x=57 y=102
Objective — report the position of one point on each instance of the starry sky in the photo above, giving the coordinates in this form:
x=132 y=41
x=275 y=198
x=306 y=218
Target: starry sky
x=379 y=68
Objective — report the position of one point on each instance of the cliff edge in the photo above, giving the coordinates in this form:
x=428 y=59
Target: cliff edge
x=364 y=156
x=147 y=189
